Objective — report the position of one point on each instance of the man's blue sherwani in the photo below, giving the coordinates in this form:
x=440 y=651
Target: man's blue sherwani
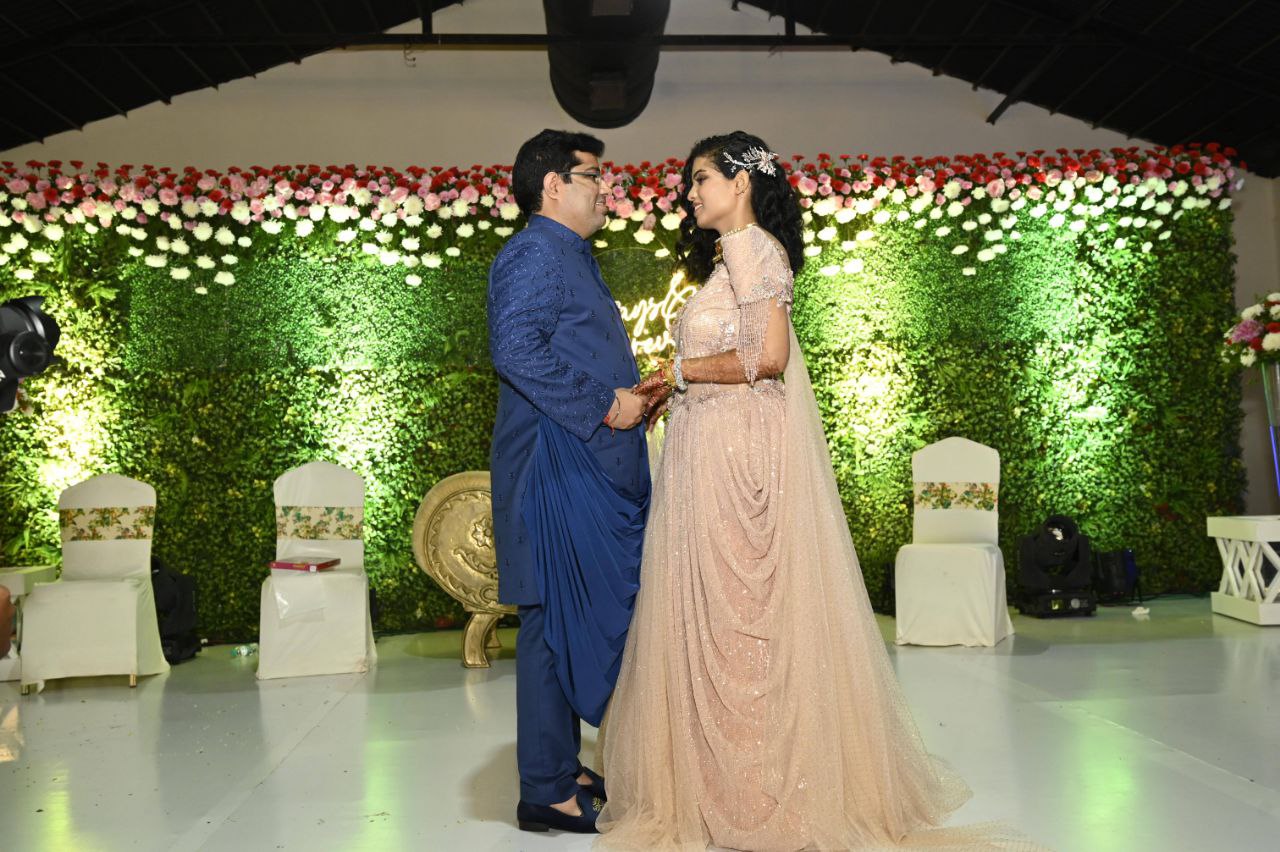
x=569 y=495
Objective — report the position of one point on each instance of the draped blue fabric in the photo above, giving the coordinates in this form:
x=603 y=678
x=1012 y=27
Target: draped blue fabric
x=587 y=536
x=560 y=348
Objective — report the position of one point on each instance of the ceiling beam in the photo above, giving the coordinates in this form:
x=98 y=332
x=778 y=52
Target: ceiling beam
x=538 y=41
x=235 y=51
x=1162 y=52
x=1029 y=79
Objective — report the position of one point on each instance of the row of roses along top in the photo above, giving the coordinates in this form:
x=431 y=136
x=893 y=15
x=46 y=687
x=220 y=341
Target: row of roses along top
x=68 y=191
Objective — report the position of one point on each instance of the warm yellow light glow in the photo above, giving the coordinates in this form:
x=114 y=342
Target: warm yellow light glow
x=638 y=316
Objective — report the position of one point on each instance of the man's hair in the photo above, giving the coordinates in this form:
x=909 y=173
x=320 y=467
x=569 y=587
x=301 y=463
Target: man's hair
x=549 y=151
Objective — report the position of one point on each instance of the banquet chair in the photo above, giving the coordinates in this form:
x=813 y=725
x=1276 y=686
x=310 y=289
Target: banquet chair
x=950 y=581
x=99 y=618
x=317 y=623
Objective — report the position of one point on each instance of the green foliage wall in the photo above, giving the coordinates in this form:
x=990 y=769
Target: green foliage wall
x=1095 y=372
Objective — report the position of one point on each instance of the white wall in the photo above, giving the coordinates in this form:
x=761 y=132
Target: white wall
x=461 y=107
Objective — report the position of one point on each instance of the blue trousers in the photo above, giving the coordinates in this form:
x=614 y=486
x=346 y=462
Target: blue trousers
x=548 y=732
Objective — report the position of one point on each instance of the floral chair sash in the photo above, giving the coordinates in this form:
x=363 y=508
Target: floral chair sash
x=107 y=523
x=981 y=496
x=332 y=523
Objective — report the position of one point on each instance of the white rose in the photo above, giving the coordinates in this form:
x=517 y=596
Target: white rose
x=179 y=246
x=203 y=231
x=671 y=221
x=412 y=280
x=225 y=278
x=960 y=249
x=1271 y=341
x=508 y=211
x=824 y=206
x=180 y=273
x=465 y=230
x=643 y=237
x=272 y=226
x=154 y=260
x=453 y=251
x=431 y=261
x=434 y=232
x=827 y=234
x=1249 y=358
x=409 y=243
x=205 y=262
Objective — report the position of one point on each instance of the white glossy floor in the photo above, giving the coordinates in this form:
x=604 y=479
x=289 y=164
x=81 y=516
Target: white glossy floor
x=1102 y=734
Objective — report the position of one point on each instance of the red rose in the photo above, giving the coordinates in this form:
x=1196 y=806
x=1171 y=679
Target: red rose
x=1256 y=344
x=1273 y=327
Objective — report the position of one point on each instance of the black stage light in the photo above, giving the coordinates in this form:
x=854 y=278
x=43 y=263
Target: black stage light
x=1055 y=571
x=27 y=338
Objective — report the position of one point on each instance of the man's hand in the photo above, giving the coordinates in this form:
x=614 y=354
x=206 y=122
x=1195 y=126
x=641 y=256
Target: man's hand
x=629 y=407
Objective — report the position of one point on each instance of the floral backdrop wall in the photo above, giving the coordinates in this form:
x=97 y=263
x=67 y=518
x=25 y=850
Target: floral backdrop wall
x=220 y=327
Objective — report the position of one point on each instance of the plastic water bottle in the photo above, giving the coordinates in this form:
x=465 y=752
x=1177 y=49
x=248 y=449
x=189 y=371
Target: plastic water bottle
x=245 y=650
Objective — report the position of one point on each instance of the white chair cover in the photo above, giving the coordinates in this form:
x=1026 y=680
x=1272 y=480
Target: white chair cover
x=950 y=581
x=317 y=623
x=100 y=617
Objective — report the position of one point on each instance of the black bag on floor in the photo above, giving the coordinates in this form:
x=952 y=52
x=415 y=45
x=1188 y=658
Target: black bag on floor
x=1115 y=576
x=175 y=612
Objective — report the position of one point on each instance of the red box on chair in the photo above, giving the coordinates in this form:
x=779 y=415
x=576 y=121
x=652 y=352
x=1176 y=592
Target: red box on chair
x=318 y=563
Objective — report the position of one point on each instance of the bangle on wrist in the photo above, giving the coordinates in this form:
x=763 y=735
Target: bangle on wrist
x=677 y=374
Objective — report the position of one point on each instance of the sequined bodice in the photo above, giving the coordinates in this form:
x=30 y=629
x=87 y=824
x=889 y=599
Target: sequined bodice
x=708 y=323
x=731 y=312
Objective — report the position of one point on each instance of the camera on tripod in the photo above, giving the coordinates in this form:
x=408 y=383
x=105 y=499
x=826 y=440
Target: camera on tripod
x=27 y=338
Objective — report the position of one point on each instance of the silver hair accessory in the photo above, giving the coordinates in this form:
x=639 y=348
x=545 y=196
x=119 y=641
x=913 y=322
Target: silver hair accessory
x=756 y=158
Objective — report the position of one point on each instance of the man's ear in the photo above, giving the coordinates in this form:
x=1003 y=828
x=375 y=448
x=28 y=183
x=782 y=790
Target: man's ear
x=551 y=185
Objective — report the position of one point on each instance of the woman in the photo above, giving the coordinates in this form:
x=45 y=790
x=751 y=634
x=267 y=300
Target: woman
x=756 y=708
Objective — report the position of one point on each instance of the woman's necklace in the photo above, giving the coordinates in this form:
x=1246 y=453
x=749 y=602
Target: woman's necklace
x=719 y=250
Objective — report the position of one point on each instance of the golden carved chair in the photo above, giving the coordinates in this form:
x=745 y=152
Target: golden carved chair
x=453 y=544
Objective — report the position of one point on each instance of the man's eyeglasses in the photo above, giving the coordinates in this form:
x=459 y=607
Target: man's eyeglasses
x=594 y=175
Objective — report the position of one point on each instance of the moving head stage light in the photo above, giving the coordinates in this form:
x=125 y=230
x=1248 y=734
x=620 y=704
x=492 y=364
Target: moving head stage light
x=1055 y=571
x=27 y=338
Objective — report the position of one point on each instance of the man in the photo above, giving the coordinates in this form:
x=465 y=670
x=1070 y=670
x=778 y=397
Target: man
x=569 y=470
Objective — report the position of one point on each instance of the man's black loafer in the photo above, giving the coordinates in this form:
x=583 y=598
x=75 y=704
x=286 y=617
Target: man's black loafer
x=596 y=787
x=546 y=818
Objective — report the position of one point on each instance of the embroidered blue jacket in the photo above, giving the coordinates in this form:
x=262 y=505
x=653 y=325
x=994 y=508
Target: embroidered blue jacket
x=560 y=348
